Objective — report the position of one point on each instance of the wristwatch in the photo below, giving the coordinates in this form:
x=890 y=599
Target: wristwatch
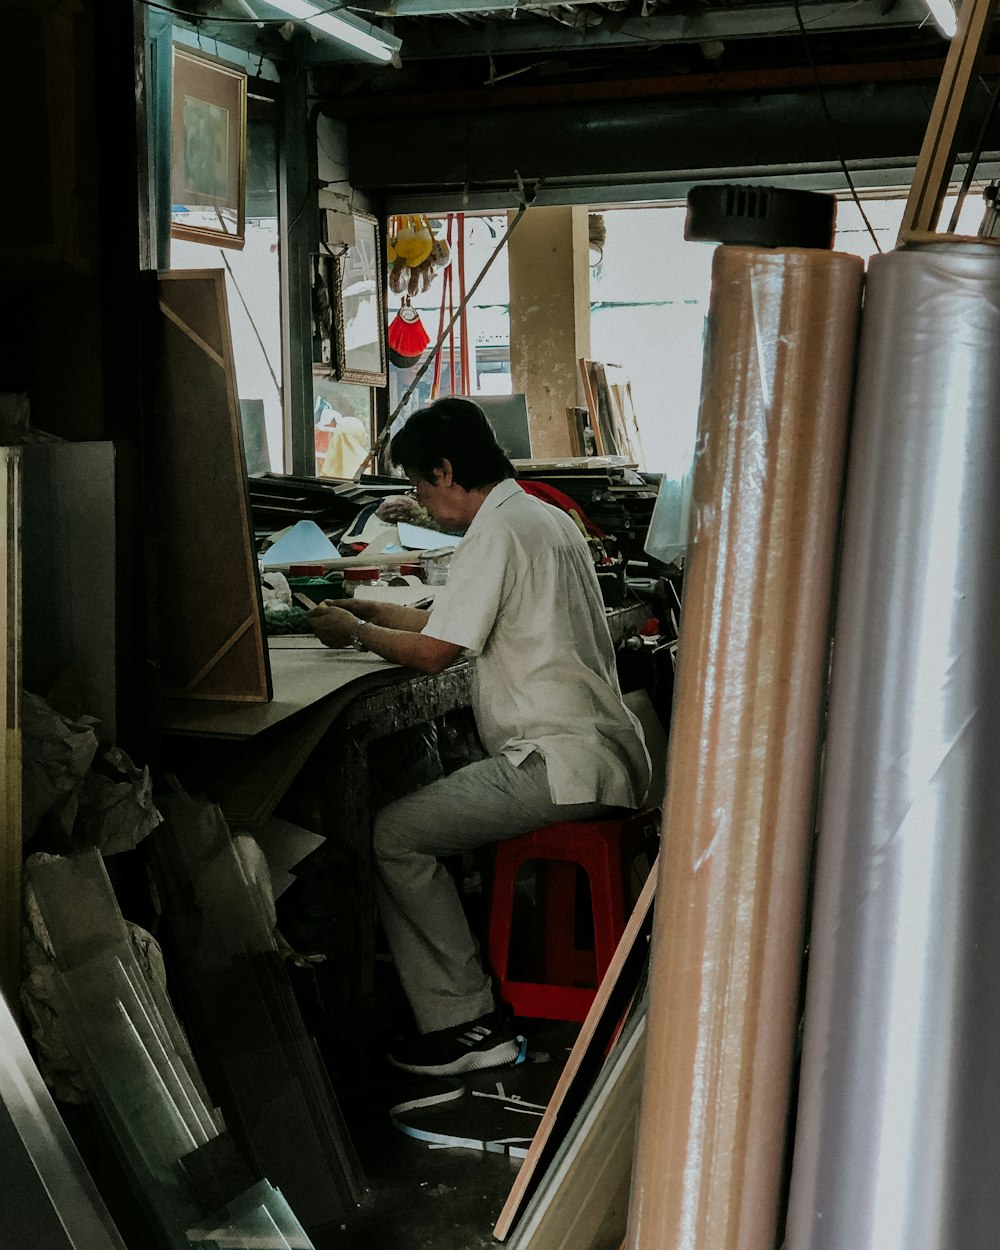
x=356 y=642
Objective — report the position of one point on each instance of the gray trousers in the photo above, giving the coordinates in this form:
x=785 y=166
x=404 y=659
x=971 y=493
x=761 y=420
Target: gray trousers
x=435 y=954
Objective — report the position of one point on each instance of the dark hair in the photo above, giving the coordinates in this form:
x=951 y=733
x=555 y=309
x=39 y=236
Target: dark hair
x=456 y=430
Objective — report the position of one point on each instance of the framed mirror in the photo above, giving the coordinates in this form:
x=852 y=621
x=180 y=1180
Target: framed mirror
x=359 y=307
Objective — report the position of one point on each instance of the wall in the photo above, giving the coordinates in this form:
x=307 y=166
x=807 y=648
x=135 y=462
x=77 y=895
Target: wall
x=547 y=257
x=74 y=92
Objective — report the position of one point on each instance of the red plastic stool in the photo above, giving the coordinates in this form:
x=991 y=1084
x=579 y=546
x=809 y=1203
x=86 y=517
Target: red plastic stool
x=604 y=849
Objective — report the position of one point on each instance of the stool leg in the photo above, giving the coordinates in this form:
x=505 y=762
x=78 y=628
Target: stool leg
x=502 y=914
x=607 y=892
x=565 y=964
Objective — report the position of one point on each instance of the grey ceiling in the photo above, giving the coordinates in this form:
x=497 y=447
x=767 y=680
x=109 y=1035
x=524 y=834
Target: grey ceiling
x=434 y=29
x=617 y=99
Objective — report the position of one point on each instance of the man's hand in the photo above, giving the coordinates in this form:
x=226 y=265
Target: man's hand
x=363 y=609
x=333 y=626
x=398 y=508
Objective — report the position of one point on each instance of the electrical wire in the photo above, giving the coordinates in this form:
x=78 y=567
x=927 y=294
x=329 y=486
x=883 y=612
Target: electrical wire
x=253 y=324
x=830 y=124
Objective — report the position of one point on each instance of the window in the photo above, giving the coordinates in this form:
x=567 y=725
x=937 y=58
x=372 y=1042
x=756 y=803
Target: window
x=649 y=300
x=487 y=318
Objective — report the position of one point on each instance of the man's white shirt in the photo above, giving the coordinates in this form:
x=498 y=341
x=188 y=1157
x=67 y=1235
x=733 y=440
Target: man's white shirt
x=523 y=599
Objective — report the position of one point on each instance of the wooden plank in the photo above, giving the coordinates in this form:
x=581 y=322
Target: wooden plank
x=10 y=700
x=937 y=154
x=605 y=417
x=610 y=378
x=931 y=236
x=621 y=388
x=601 y=1026
x=591 y=398
x=582 y=1203
x=209 y=633
x=574 y=416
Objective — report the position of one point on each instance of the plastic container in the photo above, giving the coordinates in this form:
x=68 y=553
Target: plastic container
x=315 y=588
x=335 y=581
x=361 y=578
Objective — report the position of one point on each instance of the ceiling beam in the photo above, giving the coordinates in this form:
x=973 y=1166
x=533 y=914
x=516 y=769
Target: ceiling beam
x=653 y=141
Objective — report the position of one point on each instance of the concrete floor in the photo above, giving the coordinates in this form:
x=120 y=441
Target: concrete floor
x=422 y=1196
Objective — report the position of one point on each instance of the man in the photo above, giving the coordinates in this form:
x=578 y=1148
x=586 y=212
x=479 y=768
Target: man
x=523 y=599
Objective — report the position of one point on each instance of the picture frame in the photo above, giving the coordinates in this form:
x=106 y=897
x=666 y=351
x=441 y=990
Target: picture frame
x=208 y=150
x=359 y=306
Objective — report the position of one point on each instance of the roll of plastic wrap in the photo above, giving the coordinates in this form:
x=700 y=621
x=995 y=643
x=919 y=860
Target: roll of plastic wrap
x=744 y=744
x=898 y=1136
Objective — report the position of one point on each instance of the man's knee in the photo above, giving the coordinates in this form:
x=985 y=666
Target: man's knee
x=397 y=829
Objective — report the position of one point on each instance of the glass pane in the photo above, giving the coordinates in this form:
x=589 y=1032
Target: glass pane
x=342 y=424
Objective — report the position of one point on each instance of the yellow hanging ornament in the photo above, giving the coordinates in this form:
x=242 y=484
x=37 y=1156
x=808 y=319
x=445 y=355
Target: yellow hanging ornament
x=414 y=241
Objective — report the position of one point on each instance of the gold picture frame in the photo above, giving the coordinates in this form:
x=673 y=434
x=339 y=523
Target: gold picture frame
x=208 y=150
x=359 y=306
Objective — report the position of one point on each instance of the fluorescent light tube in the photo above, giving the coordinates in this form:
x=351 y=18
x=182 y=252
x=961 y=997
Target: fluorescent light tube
x=344 y=27
x=943 y=13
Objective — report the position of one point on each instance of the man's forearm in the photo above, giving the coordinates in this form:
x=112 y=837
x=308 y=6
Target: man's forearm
x=406 y=647
x=388 y=615
x=399 y=616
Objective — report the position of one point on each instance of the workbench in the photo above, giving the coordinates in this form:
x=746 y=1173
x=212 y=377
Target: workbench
x=305 y=757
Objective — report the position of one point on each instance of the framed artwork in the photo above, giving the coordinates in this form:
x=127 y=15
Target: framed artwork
x=208 y=150
x=358 y=299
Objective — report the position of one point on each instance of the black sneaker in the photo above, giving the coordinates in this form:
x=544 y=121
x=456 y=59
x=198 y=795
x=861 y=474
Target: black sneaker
x=488 y=1042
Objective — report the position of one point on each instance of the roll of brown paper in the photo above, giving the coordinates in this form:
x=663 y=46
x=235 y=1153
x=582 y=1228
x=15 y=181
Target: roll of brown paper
x=744 y=748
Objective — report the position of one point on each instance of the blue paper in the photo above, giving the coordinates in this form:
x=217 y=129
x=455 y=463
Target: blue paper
x=304 y=543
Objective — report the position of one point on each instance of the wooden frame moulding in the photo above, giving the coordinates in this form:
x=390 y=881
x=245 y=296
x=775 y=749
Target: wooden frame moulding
x=359 y=305
x=591 y=400
x=608 y=392
x=10 y=762
x=209 y=150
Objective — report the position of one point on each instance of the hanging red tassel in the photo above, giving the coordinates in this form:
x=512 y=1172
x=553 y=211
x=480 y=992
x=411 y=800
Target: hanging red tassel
x=407 y=337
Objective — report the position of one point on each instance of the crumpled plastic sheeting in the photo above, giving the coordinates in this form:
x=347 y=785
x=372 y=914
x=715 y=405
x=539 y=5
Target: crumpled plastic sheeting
x=897 y=1145
x=57 y=753
x=115 y=816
